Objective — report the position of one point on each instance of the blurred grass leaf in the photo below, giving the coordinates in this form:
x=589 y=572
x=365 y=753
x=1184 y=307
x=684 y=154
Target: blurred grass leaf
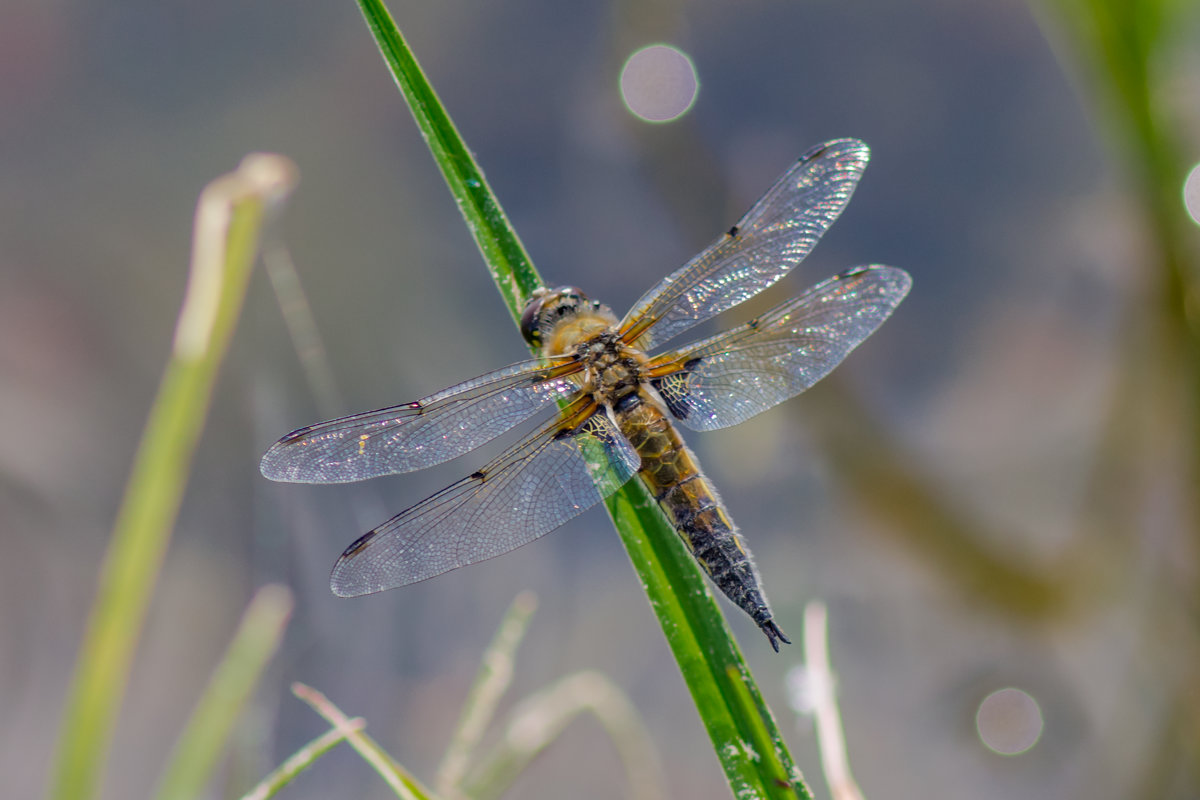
x=199 y=747
x=1125 y=50
x=541 y=718
x=492 y=680
x=229 y=216
x=398 y=779
x=302 y=759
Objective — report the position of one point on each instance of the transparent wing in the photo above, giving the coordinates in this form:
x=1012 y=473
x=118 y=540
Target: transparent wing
x=774 y=236
x=529 y=491
x=734 y=375
x=420 y=434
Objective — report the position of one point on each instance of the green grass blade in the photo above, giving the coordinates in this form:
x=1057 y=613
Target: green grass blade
x=398 y=779
x=302 y=759
x=748 y=744
x=493 y=679
x=540 y=719
x=228 y=217
x=502 y=250
x=201 y=743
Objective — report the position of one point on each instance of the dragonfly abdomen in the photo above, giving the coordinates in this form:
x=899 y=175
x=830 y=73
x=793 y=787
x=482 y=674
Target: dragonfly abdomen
x=671 y=472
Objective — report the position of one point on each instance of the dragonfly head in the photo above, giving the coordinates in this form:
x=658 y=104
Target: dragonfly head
x=555 y=319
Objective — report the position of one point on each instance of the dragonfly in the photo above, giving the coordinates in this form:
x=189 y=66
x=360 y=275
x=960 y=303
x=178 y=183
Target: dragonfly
x=606 y=408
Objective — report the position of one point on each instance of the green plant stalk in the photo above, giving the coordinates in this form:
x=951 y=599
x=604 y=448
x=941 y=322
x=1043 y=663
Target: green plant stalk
x=703 y=646
x=228 y=219
x=199 y=747
x=503 y=254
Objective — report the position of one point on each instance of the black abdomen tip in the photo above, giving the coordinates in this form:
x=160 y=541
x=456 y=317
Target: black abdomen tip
x=774 y=634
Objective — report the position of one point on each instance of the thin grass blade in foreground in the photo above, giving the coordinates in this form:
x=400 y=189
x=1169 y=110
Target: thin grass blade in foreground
x=302 y=759
x=203 y=740
x=744 y=735
x=541 y=718
x=812 y=692
x=228 y=219
x=398 y=779
x=495 y=675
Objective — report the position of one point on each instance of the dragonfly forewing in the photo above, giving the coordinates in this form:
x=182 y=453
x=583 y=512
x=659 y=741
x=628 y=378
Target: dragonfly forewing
x=772 y=238
x=417 y=435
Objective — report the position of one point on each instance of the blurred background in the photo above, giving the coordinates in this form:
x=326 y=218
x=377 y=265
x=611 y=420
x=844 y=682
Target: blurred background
x=997 y=491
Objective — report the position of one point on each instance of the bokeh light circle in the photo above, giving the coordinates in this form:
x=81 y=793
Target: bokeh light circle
x=659 y=83
x=1009 y=722
x=1191 y=194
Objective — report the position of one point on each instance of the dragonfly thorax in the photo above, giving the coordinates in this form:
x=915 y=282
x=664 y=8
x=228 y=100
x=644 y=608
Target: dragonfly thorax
x=613 y=369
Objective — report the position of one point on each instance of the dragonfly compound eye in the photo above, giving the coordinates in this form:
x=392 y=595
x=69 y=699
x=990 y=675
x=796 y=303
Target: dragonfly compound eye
x=531 y=319
x=546 y=308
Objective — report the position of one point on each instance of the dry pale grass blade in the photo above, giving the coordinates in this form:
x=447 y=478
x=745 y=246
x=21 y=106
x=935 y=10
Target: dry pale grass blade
x=813 y=691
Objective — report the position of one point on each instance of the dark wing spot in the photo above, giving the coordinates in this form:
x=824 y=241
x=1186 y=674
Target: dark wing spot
x=819 y=150
x=358 y=545
x=299 y=435
x=732 y=232
x=479 y=475
x=674 y=392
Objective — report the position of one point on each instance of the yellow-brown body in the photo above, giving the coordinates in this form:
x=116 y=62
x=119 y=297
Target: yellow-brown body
x=564 y=322
x=671 y=473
